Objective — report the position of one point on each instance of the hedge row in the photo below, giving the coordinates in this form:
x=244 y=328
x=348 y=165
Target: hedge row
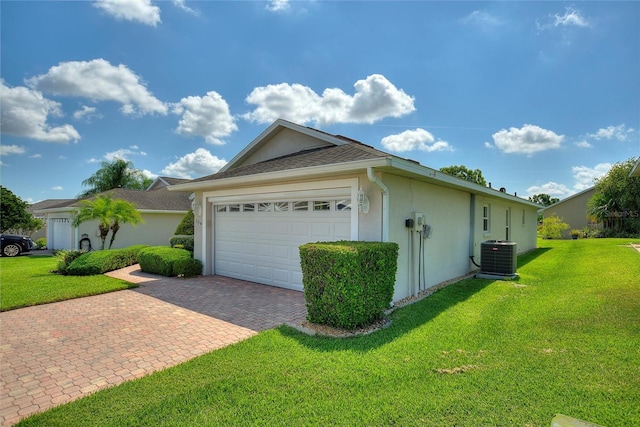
x=182 y=242
x=78 y=263
x=348 y=284
x=169 y=262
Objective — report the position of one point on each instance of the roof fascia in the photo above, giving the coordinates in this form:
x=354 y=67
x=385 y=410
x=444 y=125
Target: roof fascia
x=635 y=171
x=274 y=128
x=447 y=180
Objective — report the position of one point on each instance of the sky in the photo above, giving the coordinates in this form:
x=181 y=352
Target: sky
x=542 y=97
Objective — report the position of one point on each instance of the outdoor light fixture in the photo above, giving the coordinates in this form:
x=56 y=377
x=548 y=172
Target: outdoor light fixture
x=363 y=201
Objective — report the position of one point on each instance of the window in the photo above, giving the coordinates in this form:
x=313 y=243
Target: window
x=281 y=206
x=343 y=205
x=321 y=206
x=265 y=207
x=234 y=208
x=301 y=206
x=486 y=218
x=248 y=207
x=221 y=208
x=523 y=217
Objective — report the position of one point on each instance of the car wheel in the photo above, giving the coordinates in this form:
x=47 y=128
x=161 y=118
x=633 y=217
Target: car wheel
x=11 y=250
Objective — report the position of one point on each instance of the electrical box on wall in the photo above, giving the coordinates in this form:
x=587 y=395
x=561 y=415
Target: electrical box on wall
x=419 y=220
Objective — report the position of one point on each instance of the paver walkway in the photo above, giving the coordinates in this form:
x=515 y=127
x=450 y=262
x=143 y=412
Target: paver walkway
x=55 y=353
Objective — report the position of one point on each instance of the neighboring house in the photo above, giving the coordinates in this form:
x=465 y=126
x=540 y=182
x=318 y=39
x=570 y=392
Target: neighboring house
x=636 y=169
x=572 y=210
x=36 y=207
x=293 y=185
x=161 y=210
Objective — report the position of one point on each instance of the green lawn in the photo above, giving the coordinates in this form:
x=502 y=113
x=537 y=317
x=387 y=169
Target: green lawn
x=26 y=280
x=564 y=338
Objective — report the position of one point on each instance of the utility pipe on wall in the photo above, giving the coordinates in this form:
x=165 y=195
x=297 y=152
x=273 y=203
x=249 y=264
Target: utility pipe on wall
x=385 y=203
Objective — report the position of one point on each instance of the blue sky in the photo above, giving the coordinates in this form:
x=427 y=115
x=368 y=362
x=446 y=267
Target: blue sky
x=543 y=97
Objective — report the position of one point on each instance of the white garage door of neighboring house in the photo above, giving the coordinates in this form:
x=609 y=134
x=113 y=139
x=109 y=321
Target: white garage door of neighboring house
x=259 y=241
x=61 y=234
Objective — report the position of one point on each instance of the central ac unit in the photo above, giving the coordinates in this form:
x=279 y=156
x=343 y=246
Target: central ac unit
x=498 y=257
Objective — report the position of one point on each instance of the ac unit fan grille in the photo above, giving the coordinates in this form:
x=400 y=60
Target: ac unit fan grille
x=498 y=257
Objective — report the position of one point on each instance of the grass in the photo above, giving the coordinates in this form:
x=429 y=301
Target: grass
x=26 y=281
x=563 y=338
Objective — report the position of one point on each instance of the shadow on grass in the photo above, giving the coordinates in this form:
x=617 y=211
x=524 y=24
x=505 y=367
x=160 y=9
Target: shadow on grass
x=526 y=258
x=404 y=320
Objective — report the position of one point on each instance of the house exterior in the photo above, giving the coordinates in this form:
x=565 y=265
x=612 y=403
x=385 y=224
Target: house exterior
x=572 y=210
x=293 y=185
x=635 y=171
x=160 y=209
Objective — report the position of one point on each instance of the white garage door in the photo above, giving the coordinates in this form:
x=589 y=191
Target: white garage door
x=61 y=234
x=259 y=241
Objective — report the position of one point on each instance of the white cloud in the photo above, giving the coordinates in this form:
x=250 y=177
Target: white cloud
x=57 y=188
x=36 y=156
x=181 y=5
x=206 y=116
x=572 y=18
x=124 y=153
x=481 y=19
x=527 y=140
x=131 y=10
x=620 y=132
x=6 y=150
x=375 y=99
x=278 y=5
x=196 y=164
x=25 y=113
x=417 y=139
x=583 y=144
x=551 y=188
x=584 y=176
x=98 y=80
x=86 y=113
x=150 y=174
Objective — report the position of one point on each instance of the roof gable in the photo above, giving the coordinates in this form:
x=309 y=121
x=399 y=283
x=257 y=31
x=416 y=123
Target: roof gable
x=279 y=140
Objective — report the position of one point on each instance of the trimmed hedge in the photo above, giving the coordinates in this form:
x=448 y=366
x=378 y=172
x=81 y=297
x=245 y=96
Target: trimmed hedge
x=99 y=262
x=182 y=242
x=348 y=284
x=169 y=262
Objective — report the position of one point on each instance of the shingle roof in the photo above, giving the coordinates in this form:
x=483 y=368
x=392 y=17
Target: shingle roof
x=158 y=200
x=352 y=151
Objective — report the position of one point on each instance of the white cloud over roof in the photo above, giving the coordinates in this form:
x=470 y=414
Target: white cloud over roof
x=528 y=139
x=131 y=10
x=585 y=176
x=98 y=80
x=416 y=139
x=619 y=132
x=375 y=98
x=25 y=113
x=207 y=116
x=199 y=163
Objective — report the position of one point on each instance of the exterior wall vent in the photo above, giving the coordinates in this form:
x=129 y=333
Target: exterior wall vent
x=498 y=257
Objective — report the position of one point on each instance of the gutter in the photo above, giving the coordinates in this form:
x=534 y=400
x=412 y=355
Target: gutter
x=385 y=203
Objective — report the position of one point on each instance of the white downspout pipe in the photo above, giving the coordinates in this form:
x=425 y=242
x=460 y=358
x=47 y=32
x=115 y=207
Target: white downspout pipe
x=385 y=203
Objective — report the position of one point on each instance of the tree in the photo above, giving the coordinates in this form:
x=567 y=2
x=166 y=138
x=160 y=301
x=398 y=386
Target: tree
x=465 y=173
x=552 y=227
x=109 y=213
x=14 y=214
x=186 y=227
x=616 y=201
x=116 y=174
x=543 y=199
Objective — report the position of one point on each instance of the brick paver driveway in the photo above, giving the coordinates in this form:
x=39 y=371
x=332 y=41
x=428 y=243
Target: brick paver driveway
x=54 y=353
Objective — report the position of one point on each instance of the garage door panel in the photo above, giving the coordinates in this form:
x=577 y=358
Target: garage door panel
x=264 y=246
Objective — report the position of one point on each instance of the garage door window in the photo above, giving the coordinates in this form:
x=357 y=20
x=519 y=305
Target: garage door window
x=301 y=206
x=339 y=205
x=321 y=205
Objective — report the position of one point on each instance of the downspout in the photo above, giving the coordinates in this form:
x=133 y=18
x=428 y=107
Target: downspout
x=472 y=228
x=385 y=203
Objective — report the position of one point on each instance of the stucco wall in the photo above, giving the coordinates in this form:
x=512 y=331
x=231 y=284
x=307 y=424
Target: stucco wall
x=445 y=253
x=573 y=211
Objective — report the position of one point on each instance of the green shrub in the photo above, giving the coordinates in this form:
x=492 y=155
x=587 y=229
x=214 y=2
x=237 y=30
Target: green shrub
x=348 y=284
x=186 y=225
x=65 y=258
x=182 y=242
x=99 y=262
x=552 y=227
x=41 y=243
x=162 y=260
x=187 y=267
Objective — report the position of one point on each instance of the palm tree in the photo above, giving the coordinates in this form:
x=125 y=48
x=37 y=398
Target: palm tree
x=104 y=209
x=116 y=174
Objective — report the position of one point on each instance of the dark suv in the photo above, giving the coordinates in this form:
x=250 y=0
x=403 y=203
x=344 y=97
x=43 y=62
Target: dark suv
x=14 y=245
